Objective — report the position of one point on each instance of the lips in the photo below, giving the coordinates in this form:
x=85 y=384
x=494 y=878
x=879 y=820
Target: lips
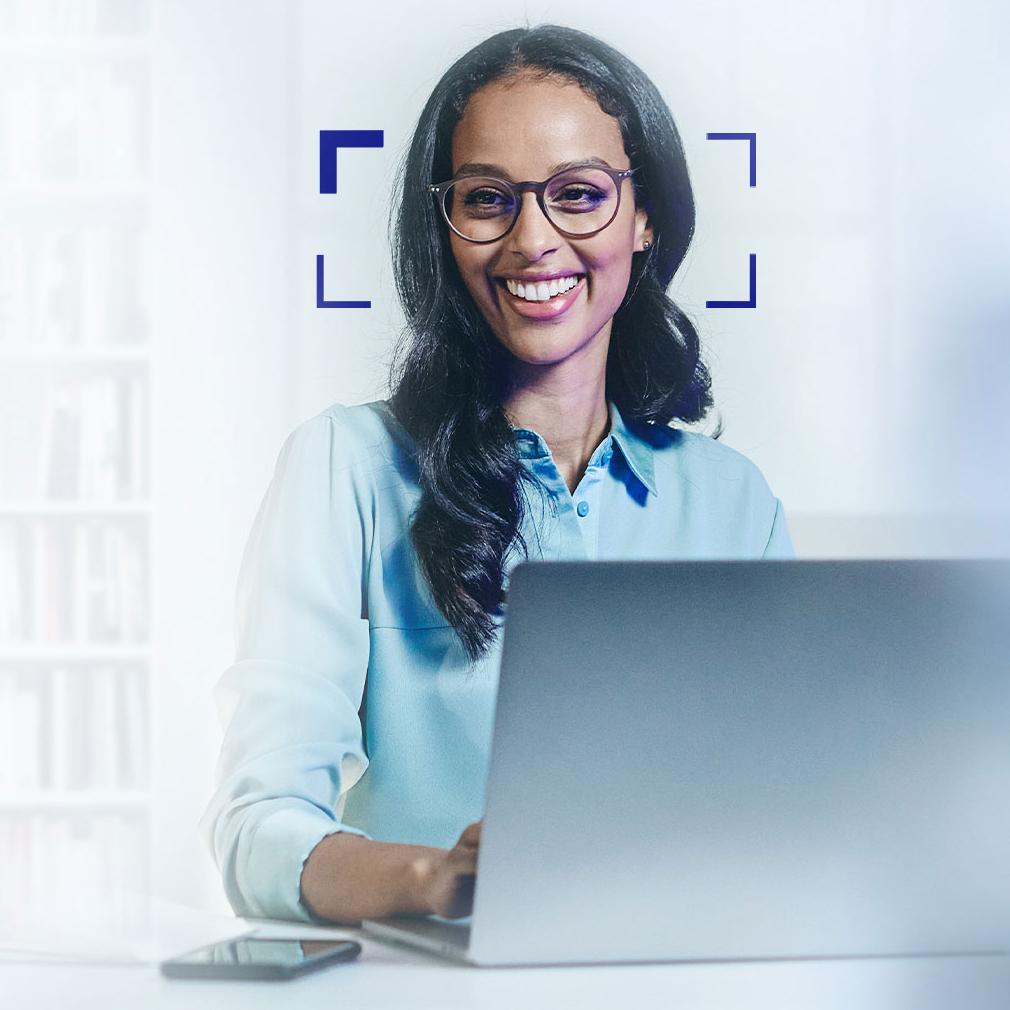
x=550 y=309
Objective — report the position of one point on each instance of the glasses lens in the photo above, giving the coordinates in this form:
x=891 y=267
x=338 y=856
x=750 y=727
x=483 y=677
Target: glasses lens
x=580 y=201
x=479 y=207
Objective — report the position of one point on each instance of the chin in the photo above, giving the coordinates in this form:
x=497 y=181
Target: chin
x=547 y=352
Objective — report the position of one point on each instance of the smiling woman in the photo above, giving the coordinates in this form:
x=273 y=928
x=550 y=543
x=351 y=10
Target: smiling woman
x=544 y=207
x=491 y=346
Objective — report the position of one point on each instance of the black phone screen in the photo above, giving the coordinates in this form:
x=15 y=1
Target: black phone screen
x=260 y=957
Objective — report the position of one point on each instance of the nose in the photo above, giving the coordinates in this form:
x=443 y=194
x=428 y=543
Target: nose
x=532 y=235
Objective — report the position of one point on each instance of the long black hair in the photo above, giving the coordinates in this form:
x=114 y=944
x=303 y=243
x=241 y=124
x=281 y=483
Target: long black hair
x=448 y=369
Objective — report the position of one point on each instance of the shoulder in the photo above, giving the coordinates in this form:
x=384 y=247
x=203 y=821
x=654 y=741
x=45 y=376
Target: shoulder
x=363 y=435
x=721 y=498
x=703 y=455
x=707 y=468
x=680 y=454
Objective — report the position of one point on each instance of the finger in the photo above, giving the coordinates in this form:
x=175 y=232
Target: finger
x=462 y=861
x=462 y=857
x=463 y=898
x=471 y=834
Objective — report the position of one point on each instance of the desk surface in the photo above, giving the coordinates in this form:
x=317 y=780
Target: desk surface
x=390 y=976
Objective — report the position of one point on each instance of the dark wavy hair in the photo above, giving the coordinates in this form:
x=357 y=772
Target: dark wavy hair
x=448 y=369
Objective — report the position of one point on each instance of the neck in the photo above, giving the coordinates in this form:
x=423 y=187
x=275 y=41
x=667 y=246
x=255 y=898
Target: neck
x=572 y=422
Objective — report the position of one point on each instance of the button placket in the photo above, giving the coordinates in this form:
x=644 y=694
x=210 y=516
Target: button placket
x=587 y=496
x=577 y=513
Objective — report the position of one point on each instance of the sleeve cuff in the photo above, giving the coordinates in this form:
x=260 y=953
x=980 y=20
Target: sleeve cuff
x=277 y=855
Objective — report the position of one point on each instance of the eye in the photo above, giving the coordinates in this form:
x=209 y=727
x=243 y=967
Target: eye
x=587 y=196
x=484 y=197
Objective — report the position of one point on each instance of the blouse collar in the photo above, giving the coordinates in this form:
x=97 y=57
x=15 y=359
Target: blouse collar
x=637 y=451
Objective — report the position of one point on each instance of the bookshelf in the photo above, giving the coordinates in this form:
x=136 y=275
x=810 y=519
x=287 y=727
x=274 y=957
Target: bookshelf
x=76 y=496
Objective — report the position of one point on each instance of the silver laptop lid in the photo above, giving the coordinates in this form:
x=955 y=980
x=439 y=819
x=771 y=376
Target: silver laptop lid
x=735 y=759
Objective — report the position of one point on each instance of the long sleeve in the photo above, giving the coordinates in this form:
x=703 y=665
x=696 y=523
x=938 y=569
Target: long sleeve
x=289 y=704
x=780 y=544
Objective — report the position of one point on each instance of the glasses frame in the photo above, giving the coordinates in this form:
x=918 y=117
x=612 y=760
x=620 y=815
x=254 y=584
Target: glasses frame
x=618 y=175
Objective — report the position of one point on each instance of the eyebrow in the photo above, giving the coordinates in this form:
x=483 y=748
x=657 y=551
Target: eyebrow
x=484 y=168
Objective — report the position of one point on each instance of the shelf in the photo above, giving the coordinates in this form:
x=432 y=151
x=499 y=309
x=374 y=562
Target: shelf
x=73 y=45
x=84 y=799
x=81 y=652
x=63 y=355
x=15 y=192
x=36 y=509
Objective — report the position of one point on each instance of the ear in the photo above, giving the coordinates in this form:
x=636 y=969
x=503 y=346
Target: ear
x=643 y=230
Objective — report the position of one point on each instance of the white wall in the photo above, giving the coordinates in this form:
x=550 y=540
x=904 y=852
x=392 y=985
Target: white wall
x=223 y=403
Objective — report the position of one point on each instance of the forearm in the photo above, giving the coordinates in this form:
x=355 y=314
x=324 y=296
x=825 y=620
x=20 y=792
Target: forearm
x=347 y=878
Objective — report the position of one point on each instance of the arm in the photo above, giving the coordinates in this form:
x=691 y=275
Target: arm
x=289 y=704
x=348 y=878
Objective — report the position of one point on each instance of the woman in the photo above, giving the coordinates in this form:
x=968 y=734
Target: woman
x=544 y=208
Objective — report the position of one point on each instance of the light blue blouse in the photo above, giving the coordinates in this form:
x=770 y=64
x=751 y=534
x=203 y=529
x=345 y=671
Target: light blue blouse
x=351 y=704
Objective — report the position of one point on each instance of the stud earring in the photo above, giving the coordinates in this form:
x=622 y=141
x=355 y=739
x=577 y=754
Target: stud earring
x=646 y=244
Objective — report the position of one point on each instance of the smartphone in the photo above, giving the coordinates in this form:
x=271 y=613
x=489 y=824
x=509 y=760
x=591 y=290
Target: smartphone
x=260 y=957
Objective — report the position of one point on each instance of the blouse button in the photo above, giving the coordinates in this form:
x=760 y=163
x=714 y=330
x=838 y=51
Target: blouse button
x=582 y=508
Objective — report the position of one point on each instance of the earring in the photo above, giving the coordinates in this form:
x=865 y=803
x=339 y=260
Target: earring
x=646 y=244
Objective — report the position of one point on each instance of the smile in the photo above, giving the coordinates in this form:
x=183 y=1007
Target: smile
x=538 y=307
x=540 y=291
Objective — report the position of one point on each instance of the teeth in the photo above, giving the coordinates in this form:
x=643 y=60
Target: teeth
x=542 y=290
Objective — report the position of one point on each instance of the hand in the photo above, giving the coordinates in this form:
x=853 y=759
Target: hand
x=450 y=887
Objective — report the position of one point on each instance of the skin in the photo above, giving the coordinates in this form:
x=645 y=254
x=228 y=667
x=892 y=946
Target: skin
x=452 y=877
x=557 y=382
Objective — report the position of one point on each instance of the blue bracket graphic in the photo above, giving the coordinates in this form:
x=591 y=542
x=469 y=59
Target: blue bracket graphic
x=751 y=302
x=330 y=141
x=752 y=138
x=321 y=302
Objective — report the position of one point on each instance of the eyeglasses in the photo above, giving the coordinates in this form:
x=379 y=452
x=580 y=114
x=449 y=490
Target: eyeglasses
x=579 y=202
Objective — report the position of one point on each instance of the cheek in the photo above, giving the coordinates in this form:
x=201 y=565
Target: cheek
x=612 y=272
x=610 y=261
x=473 y=270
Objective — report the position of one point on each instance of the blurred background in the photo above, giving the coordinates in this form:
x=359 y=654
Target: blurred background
x=159 y=336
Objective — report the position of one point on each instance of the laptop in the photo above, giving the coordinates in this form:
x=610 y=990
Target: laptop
x=710 y=760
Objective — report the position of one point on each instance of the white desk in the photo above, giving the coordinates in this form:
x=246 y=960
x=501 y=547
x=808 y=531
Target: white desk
x=394 y=977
